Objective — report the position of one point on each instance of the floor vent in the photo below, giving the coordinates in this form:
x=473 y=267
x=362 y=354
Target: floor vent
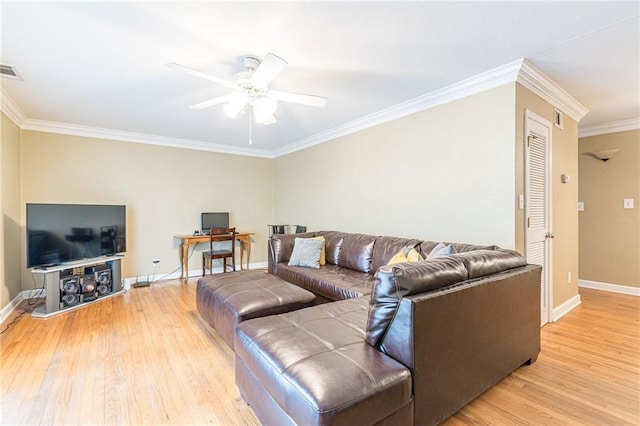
x=9 y=71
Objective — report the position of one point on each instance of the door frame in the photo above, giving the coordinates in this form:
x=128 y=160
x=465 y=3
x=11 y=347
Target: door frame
x=548 y=270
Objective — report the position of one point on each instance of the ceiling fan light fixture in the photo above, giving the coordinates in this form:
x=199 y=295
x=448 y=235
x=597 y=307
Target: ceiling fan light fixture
x=237 y=102
x=263 y=109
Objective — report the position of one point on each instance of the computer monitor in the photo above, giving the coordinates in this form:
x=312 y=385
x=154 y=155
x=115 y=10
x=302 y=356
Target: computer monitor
x=214 y=220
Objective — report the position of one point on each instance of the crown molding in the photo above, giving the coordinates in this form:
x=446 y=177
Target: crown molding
x=119 y=135
x=521 y=71
x=610 y=127
x=536 y=81
x=488 y=80
x=11 y=109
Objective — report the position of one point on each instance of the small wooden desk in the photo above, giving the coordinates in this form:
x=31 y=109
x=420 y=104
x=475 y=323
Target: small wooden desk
x=190 y=240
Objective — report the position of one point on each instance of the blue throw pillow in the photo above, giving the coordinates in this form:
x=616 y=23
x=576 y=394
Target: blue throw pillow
x=441 y=250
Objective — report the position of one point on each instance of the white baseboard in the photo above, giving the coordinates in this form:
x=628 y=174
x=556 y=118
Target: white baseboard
x=565 y=308
x=614 y=288
x=196 y=272
x=11 y=306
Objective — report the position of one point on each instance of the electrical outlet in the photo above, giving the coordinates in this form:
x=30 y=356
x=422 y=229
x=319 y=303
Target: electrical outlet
x=569 y=277
x=628 y=203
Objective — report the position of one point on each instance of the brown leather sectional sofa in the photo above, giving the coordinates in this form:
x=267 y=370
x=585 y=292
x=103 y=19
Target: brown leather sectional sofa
x=410 y=343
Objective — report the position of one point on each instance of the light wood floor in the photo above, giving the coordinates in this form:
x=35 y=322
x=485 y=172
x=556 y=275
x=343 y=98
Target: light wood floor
x=147 y=357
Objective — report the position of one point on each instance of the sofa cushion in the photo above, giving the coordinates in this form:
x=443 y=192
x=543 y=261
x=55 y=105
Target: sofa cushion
x=330 y=281
x=356 y=252
x=333 y=243
x=306 y=252
x=316 y=366
x=387 y=247
x=404 y=279
x=461 y=247
x=485 y=262
x=427 y=246
x=282 y=246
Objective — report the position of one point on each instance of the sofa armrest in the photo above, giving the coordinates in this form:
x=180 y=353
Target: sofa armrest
x=460 y=340
x=280 y=249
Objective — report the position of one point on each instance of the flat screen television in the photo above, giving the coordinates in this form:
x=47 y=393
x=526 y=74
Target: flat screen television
x=214 y=220
x=61 y=233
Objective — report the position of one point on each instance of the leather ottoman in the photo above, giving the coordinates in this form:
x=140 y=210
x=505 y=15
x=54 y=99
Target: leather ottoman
x=314 y=367
x=226 y=300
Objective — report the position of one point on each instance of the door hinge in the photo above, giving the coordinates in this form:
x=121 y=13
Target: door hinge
x=529 y=222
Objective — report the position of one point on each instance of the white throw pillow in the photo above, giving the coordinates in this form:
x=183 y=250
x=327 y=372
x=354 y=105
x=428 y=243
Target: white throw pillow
x=306 y=252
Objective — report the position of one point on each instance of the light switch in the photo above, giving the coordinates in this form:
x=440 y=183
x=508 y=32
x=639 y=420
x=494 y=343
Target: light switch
x=628 y=203
x=580 y=206
x=521 y=201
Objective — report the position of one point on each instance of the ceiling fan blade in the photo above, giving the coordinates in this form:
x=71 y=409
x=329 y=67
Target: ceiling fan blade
x=298 y=98
x=268 y=69
x=221 y=81
x=211 y=102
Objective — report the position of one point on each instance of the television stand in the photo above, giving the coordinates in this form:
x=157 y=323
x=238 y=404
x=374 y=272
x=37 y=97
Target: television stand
x=72 y=285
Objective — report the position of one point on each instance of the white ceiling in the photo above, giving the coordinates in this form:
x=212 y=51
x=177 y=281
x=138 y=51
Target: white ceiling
x=101 y=64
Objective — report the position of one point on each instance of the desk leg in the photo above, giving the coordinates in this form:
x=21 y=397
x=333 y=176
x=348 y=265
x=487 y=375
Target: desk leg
x=248 y=250
x=245 y=244
x=184 y=260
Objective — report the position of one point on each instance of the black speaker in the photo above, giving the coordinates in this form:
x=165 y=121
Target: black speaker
x=88 y=287
x=104 y=282
x=102 y=275
x=70 y=291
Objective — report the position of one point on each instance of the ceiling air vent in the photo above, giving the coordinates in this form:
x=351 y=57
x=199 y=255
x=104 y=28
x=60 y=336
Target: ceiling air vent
x=9 y=71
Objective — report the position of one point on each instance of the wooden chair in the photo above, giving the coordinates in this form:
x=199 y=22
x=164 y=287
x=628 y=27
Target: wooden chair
x=217 y=236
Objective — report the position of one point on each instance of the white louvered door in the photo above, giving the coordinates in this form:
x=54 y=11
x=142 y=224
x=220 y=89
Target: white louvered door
x=538 y=234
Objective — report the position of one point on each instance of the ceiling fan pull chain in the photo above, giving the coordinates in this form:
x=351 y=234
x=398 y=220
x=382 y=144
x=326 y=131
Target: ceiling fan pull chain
x=250 y=128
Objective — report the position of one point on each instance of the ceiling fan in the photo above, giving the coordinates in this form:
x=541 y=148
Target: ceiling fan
x=250 y=88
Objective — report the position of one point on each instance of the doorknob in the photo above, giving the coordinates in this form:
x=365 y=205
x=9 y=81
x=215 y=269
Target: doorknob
x=549 y=235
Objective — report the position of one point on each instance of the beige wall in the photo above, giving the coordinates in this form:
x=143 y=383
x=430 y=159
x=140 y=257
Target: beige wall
x=10 y=249
x=164 y=189
x=442 y=174
x=609 y=234
x=436 y=176
x=564 y=153
x=431 y=175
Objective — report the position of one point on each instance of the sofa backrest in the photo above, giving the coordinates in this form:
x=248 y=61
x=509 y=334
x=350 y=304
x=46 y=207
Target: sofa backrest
x=359 y=252
x=394 y=282
x=356 y=252
x=460 y=340
x=425 y=247
x=387 y=247
x=405 y=279
x=489 y=261
x=333 y=243
x=460 y=323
